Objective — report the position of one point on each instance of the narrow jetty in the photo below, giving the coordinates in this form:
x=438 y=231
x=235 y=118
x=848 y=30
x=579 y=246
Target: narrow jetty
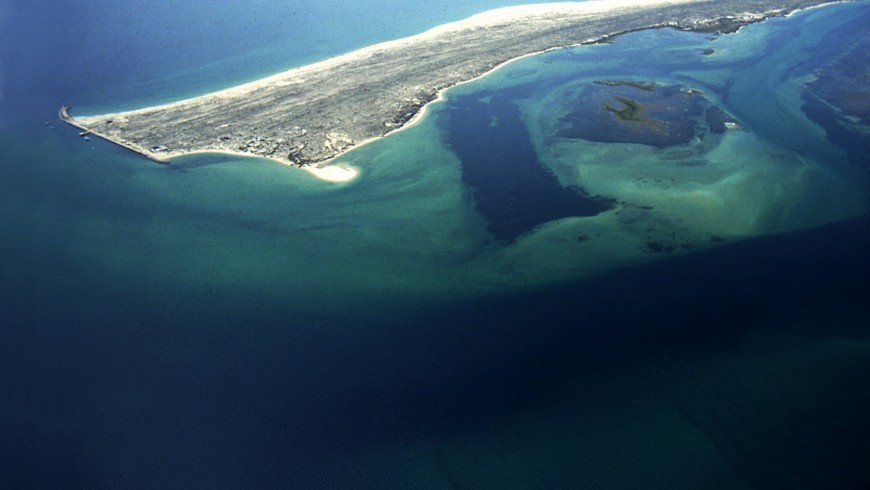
x=65 y=116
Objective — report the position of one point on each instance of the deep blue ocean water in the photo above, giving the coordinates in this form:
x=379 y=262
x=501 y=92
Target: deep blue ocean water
x=499 y=160
x=226 y=323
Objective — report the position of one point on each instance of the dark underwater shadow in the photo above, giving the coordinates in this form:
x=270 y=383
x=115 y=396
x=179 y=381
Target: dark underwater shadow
x=456 y=369
x=225 y=390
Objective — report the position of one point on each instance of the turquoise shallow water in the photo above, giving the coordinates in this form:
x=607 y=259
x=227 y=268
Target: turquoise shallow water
x=234 y=323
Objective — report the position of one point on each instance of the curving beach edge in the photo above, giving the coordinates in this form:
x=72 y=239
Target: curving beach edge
x=310 y=115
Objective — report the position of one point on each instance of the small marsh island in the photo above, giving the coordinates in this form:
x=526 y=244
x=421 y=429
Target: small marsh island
x=309 y=115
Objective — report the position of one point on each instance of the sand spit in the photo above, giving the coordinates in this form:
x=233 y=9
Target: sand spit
x=309 y=115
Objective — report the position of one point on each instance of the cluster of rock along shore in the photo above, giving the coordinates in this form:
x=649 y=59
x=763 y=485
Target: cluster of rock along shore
x=315 y=113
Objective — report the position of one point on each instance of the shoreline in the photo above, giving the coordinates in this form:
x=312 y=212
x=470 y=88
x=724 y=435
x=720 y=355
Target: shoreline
x=328 y=173
x=482 y=19
x=315 y=145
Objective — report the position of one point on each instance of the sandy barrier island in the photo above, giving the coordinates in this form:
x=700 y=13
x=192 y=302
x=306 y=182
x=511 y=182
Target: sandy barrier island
x=310 y=115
